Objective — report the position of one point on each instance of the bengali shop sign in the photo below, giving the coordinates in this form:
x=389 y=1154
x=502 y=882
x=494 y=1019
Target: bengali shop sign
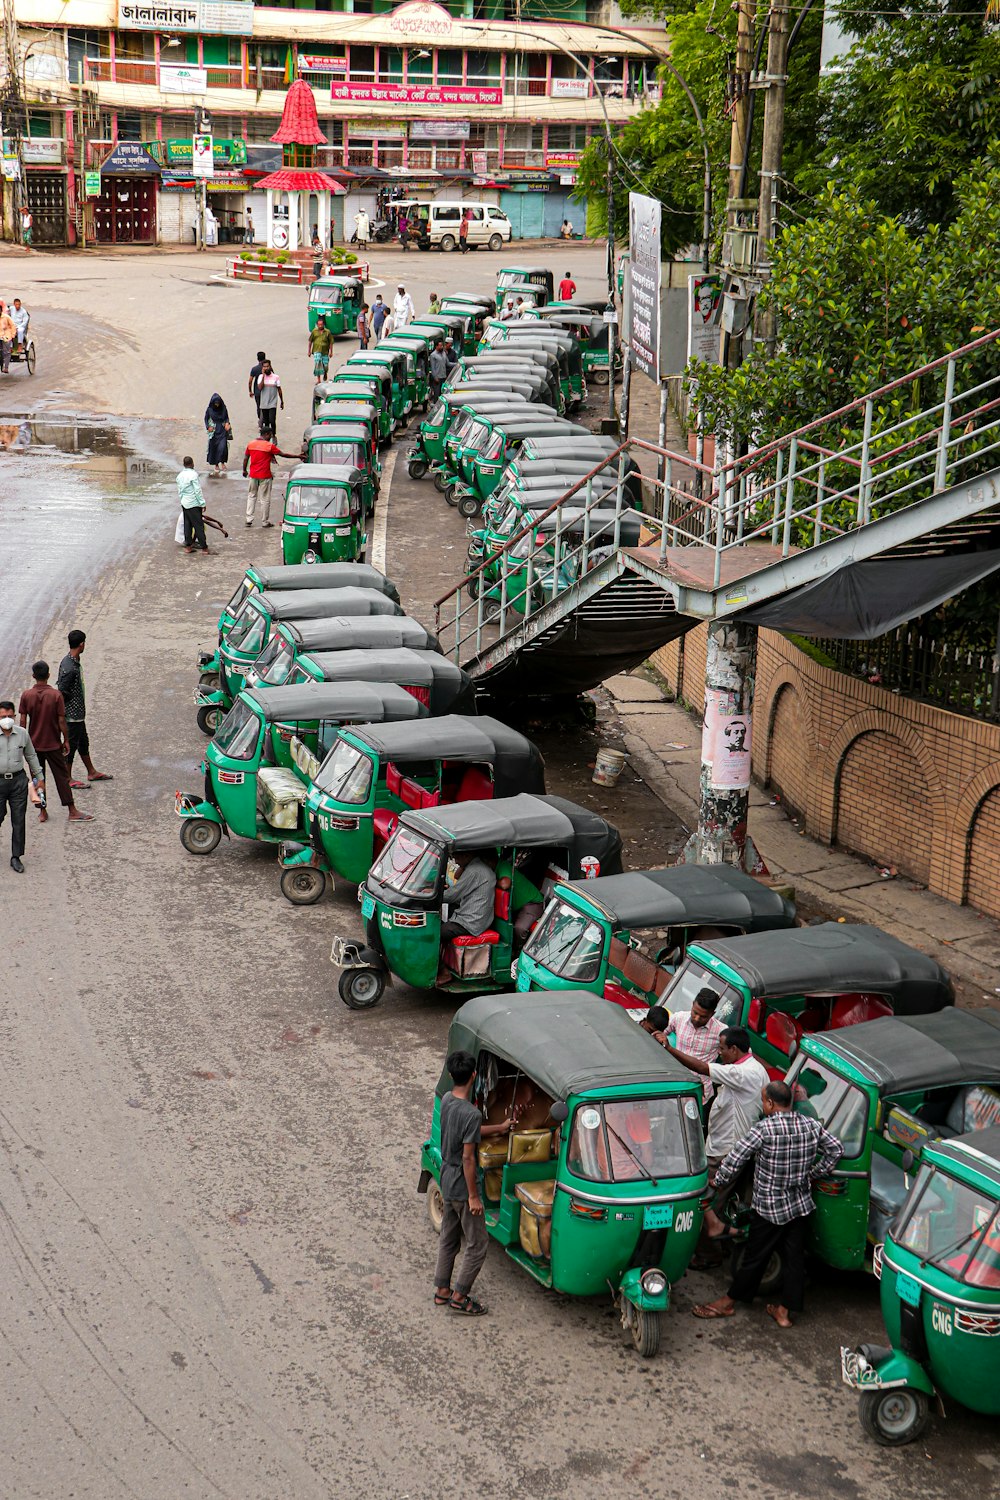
x=644 y=283
x=401 y=93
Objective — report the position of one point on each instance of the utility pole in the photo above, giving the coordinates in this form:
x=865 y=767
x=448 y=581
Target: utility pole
x=745 y=18
x=13 y=116
x=775 y=81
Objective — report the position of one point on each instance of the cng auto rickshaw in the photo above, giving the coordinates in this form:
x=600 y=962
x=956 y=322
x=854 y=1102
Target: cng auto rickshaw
x=503 y=517
x=533 y=842
x=434 y=680
x=609 y=935
x=282 y=579
x=375 y=772
x=560 y=342
x=391 y=373
x=401 y=360
x=478 y=437
x=417 y=348
x=515 y=360
x=781 y=985
x=428 y=450
x=883 y=1088
x=347 y=445
x=369 y=386
x=486 y=460
x=251 y=786
x=290 y=654
x=539 y=276
x=355 y=401
x=325 y=511
x=598 y=1186
x=334 y=414
x=339 y=301
x=549 y=558
x=530 y=293
x=594 y=335
x=939 y=1273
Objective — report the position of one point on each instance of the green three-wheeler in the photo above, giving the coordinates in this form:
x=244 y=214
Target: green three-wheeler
x=253 y=784
x=334 y=415
x=364 y=387
x=417 y=346
x=539 y=276
x=291 y=653
x=375 y=772
x=392 y=373
x=428 y=452
x=529 y=842
x=599 y=1185
x=325 y=510
x=346 y=444
x=338 y=300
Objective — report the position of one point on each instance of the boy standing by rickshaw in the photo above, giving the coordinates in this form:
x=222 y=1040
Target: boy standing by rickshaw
x=320 y=344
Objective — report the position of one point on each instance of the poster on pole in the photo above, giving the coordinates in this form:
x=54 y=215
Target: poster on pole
x=644 y=284
x=726 y=737
x=202 y=156
x=704 y=302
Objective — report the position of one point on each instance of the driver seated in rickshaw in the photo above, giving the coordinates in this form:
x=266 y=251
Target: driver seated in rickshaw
x=469 y=900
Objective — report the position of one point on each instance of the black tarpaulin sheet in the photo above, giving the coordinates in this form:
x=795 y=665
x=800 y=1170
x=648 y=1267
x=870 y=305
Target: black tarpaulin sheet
x=863 y=600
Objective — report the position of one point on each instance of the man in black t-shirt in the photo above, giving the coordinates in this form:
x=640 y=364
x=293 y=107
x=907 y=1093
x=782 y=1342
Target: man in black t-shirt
x=462 y=1129
x=253 y=383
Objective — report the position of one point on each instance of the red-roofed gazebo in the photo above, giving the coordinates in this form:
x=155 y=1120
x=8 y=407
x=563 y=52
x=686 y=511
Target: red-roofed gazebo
x=298 y=195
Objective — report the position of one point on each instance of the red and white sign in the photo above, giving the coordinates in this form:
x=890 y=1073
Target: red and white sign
x=400 y=93
x=421 y=19
x=310 y=63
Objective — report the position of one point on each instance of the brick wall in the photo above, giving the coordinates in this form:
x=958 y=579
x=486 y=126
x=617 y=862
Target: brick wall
x=901 y=782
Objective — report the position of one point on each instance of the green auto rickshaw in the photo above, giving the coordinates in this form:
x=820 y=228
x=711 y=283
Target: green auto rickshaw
x=593 y=333
x=539 y=276
x=530 y=293
x=289 y=655
x=620 y=935
x=260 y=613
x=434 y=680
x=884 y=1088
x=500 y=521
x=325 y=510
x=782 y=985
x=478 y=308
x=474 y=426
x=362 y=413
x=338 y=300
x=393 y=371
x=401 y=359
x=562 y=544
x=441 y=326
x=563 y=344
x=939 y=1270
x=376 y=771
x=428 y=450
x=252 y=786
x=516 y=361
x=349 y=445
x=418 y=345
x=366 y=388
x=530 y=842
x=491 y=450
x=281 y=579
x=598 y=1186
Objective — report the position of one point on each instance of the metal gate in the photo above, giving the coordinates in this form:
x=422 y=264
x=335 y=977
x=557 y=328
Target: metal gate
x=559 y=206
x=46 y=193
x=125 y=213
x=524 y=210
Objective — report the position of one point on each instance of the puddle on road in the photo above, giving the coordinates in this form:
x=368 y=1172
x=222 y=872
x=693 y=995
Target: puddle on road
x=74 y=492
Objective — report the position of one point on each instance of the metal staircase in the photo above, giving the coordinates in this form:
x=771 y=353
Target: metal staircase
x=561 y=607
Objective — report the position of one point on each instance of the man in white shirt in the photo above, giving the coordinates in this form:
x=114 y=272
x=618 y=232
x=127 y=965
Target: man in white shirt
x=402 y=307
x=21 y=318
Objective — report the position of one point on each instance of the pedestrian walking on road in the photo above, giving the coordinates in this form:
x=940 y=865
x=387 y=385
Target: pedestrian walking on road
x=434 y=306
x=253 y=384
x=219 y=430
x=70 y=683
x=192 y=500
x=249 y=233
x=567 y=288
x=380 y=311
x=362 y=229
x=271 y=396
x=15 y=749
x=363 y=326
x=790 y=1151
x=463 y=231
x=258 y=463
x=43 y=714
x=402 y=307
x=8 y=337
x=320 y=344
x=462 y=1129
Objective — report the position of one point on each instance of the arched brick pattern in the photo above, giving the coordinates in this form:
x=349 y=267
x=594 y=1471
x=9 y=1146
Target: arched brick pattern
x=789 y=768
x=981 y=887
x=883 y=806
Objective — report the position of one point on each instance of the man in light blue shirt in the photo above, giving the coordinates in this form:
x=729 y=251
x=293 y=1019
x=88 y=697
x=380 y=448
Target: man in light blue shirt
x=193 y=505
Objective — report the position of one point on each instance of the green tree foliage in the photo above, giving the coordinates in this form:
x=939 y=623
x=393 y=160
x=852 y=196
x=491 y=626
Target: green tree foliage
x=912 y=105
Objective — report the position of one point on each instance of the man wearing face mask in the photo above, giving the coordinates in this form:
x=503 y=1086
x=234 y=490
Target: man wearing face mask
x=15 y=749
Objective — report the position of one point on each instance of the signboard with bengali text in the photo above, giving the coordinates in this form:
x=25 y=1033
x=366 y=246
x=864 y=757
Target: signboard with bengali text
x=402 y=93
x=644 y=284
x=211 y=17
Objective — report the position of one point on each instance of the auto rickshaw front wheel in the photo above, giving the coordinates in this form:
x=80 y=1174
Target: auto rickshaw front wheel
x=360 y=989
x=416 y=468
x=645 y=1330
x=200 y=835
x=303 y=885
x=435 y=1206
x=451 y=494
x=440 y=483
x=468 y=507
x=893 y=1417
x=209 y=718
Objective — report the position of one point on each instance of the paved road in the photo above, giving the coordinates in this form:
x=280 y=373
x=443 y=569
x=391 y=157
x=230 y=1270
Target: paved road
x=217 y=1269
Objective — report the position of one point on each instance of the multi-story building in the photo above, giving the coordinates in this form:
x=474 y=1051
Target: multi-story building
x=489 y=99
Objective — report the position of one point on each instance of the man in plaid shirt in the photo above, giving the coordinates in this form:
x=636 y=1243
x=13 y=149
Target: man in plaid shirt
x=790 y=1152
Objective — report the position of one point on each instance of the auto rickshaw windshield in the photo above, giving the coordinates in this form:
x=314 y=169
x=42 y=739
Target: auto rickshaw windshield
x=410 y=864
x=245 y=588
x=622 y=1140
x=248 y=630
x=692 y=977
x=346 y=774
x=317 y=500
x=239 y=732
x=338 y=451
x=953 y=1226
x=830 y=1099
x=274 y=663
x=566 y=943
x=326 y=292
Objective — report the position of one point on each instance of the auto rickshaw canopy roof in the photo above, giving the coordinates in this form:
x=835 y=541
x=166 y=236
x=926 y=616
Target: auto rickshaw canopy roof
x=462 y=395
x=348 y=475
x=358 y=632
x=323 y=432
x=900 y=1053
x=516 y=762
x=363 y=702
x=323 y=575
x=836 y=958
x=523 y=821
x=979 y=1151
x=520 y=424
x=687 y=896
x=566 y=1041
x=323 y=604
x=416 y=668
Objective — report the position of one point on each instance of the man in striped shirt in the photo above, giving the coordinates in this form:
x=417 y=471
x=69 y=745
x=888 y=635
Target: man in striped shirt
x=697 y=1033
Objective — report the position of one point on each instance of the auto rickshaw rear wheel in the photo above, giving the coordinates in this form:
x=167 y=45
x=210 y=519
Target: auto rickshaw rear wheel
x=895 y=1416
x=468 y=507
x=209 y=718
x=302 y=885
x=598 y=377
x=645 y=1330
x=451 y=494
x=360 y=989
x=440 y=483
x=472 y=586
x=435 y=1206
x=416 y=468
x=200 y=835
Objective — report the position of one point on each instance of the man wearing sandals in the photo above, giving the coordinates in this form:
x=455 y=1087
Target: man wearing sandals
x=70 y=684
x=462 y=1129
x=790 y=1151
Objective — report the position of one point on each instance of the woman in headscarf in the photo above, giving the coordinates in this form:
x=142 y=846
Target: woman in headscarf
x=219 y=431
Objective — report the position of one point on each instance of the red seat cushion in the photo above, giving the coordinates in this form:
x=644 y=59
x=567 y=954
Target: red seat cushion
x=385 y=823
x=489 y=937
x=619 y=996
x=475 y=786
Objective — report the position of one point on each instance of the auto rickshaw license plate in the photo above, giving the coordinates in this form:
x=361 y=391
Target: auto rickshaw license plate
x=907 y=1289
x=367 y=907
x=658 y=1216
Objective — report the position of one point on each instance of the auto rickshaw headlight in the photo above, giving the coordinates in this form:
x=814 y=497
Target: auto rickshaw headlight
x=310 y=556
x=653 y=1282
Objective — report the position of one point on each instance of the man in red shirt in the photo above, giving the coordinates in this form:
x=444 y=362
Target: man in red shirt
x=567 y=288
x=43 y=713
x=258 y=459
